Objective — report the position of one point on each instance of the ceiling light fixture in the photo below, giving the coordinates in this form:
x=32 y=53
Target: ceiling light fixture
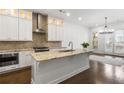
x=106 y=30
x=64 y=12
x=79 y=18
x=96 y=24
x=67 y=14
x=106 y=27
x=112 y=29
x=61 y=11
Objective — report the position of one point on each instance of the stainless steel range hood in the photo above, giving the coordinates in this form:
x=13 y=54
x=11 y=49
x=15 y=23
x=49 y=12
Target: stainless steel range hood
x=39 y=23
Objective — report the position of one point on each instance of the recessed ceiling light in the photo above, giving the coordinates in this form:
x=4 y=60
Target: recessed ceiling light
x=112 y=29
x=96 y=24
x=79 y=18
x=101 y=31
x=67 y=14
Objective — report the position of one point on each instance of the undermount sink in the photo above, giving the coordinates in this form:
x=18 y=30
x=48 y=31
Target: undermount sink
x=66 y=50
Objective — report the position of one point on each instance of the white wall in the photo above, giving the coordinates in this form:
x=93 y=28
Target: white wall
x=75 y=33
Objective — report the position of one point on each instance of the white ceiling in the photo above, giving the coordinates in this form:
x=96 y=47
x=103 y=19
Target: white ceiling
x=90 y=17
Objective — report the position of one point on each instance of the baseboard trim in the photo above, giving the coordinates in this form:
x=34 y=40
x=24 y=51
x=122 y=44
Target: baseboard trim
x=68 y=75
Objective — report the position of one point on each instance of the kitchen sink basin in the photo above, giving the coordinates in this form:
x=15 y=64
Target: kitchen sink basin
x=66 y=50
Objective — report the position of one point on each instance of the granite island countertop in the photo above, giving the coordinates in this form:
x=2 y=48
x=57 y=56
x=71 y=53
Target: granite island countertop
x=42 y=56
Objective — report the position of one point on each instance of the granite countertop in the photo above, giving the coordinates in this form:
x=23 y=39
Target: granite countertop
x=42 y=56
x=28 y=49
x=16 y=50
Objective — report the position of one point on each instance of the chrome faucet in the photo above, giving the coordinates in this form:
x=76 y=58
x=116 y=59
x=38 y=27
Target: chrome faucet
x=71 y=43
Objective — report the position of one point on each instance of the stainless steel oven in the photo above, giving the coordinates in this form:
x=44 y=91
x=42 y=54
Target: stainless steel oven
x=8 y=59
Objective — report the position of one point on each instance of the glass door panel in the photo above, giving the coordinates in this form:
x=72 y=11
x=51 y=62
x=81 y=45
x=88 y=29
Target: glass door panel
x=109 y=41
x=119 y=41
x=101 y=42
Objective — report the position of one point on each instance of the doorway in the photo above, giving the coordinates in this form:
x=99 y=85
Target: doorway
x=112 y=42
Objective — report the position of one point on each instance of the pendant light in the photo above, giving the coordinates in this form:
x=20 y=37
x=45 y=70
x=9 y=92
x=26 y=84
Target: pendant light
x=106 y=27
x=106 y=31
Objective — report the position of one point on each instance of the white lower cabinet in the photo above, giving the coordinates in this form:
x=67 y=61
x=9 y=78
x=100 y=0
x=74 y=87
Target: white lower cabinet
x=25 y=30
x=8 y=28
x=28 y=59
x=25 y=58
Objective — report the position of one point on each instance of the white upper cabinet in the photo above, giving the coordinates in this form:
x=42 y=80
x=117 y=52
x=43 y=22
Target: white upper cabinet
x=15 y=25
x=25 y=25
x=2 y=33
x=55 y=29
x=51 y=32
x=8 y=28
x=25 y=30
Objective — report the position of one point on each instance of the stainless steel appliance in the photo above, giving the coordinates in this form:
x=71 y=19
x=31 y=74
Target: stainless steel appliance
x=8 y=59
x=40 y=49
x=40 y=23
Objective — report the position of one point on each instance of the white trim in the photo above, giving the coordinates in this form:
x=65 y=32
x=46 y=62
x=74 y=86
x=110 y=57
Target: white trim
x=56 y=81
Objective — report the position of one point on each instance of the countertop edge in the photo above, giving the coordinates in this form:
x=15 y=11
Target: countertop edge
x=60 y=56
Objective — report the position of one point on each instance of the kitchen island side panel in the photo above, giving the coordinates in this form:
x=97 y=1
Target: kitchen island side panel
x=59 y=69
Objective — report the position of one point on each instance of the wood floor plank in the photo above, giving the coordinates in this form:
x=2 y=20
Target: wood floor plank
x=98 y=73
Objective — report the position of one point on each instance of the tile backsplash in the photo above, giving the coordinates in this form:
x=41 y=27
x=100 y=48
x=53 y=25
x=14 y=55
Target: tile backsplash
x=39 y=40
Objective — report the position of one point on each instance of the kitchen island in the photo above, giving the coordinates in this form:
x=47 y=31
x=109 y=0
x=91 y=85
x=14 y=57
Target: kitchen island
x=56 y=66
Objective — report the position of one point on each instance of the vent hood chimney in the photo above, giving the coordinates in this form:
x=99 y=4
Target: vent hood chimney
x=39 y=23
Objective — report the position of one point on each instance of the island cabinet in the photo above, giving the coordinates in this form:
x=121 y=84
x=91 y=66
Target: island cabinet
x=55 y=67
x=55 y=29
x=17 y=76
x=15 y=25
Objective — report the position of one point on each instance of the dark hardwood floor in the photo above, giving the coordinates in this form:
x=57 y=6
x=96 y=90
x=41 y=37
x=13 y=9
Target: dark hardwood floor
x=98 y=73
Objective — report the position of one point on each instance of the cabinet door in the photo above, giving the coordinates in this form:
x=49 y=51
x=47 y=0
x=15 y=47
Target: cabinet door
x=29 y=30
x=59 y=33
x=2 y=33
x=52 y=32
x=28 y=59
x=25 y=29
x=22 y=59
x=49 y=32
x=8 y=28
x=25 y=58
